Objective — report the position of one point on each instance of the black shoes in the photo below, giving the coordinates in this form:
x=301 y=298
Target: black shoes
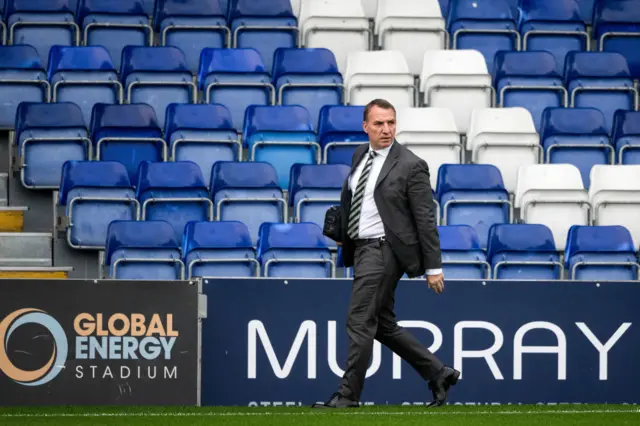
x=440 y=385
x=337 y=401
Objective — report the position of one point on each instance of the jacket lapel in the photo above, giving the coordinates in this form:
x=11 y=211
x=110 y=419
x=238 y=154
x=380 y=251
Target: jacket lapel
x=363 y=150
x=389 y=162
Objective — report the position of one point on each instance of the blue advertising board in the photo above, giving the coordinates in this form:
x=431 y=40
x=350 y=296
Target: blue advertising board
x=283 y=342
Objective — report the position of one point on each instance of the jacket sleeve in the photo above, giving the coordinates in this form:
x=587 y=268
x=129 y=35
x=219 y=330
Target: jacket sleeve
x=424 y=212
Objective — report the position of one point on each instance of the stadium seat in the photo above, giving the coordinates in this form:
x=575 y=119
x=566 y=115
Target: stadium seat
x=474 y=195
x=192 y=26
x=625 y=136
x=615 y=197
x=235 y=78
x=129 y=134
x=431 y=134
x=203 y=134
x=462 y=254
x=219 y=249
x=115 y=24
x=554 y=26
x=601 y=253
x=600 y=80
x=157 y=76
x=294 y=250
x=552 y=195
x=338 y=25
x=174 y=192
x=586 y=10
x=340 y=132
x=41 y=24
x=263 y=26
x=411 y=27
x=506 y=138
x=85 y=76
x=523 y=252
x=576 y=136
x=615 y=28
x=143 y=250
x=149 y=6
x=529 y=80
x=247 y=192
x=281 y=136
x=46 y=136
x=457 y=80
x=307 y=77
x=485 y=26
x=379 y=74
x=22 y=79
x=93 y=194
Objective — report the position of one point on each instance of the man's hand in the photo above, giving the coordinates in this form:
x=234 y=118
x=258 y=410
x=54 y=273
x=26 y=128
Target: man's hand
x=436 y=283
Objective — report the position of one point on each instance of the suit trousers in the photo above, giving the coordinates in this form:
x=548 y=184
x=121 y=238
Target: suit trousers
x=371 y=316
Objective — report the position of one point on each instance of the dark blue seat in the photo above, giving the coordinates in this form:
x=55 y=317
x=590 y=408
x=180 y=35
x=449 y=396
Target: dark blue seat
x=143 y=250
x=586 y=10
x=264 y=26
x=129 y=134
x=85 y=76
x=616 y=29
x=462 y=254
x=149 y=7
x=340 y=132
x=625 y=137
x=48 y=135
x=600 y=80
x=294 y=250
x=192 y=25
x=157 y=76
x=247 y=192
x=219 y=249
x=523 y=252
x=576 y=136
x=474 y=195
x=235 y=78
x=203 y=134
x=529 y=80
x=94 y=194
x=601 y=253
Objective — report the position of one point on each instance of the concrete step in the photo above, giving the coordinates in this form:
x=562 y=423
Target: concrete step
x=28 y=249
x=12 y=219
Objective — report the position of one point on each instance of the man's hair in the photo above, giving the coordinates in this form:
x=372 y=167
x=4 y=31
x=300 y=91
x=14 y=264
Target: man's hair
x=380 y=103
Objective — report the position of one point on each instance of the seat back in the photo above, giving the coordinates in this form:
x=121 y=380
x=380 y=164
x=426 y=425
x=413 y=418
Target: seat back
x=462 y=255
x=625 y=137
x=340 y=132
x=615 y=28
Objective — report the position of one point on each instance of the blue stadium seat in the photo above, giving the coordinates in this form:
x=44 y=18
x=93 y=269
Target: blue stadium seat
x=554 y=26
x=85 y=76
x=174 y=192
x=41 y=24
x=307 y=77
x=586 y=10
x=115 y=24
x=474 y=195
x=235 y=78
x=264 y=26
x=22 y=79
x=149 y=7
x=219 y=249
x=94 y=194
x=625 y=137
x=485 y=26
x=247 y=192
x=340 y=132
x=203 y=134
x=46 y=136
x=576 y=136
x=313 y=188
x=294 y=250
x=616 y=29
x=157 y=76
x=462 y=254
x=143 y=250
x=129 y=134
x=600 y=80
x=523 y=252
x=601 y=253
x=529 y=80
x=191 y=26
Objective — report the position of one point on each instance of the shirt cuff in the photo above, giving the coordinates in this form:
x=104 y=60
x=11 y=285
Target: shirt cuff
x=434 y=271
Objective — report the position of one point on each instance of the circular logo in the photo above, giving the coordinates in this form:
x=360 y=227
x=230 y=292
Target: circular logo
x=53 y=367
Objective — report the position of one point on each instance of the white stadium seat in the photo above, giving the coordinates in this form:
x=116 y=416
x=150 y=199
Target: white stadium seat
x=295 y=6
x=432 y=135
x=552 y=195
x=458 y=80
x=370 y=7
x=506 y=138
x=411 y=27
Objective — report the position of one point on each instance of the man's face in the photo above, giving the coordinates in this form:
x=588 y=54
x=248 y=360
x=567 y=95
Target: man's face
x=381 y=127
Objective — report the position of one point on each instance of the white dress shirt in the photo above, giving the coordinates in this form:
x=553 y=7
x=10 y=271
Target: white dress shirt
x=370 y=225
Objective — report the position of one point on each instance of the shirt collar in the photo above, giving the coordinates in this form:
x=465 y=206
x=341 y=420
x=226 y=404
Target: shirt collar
x=382 y=152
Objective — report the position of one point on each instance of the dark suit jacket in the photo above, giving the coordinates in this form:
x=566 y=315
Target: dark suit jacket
x=405 y=203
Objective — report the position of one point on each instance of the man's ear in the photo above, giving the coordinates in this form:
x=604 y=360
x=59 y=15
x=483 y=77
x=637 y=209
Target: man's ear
x=364 y=127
